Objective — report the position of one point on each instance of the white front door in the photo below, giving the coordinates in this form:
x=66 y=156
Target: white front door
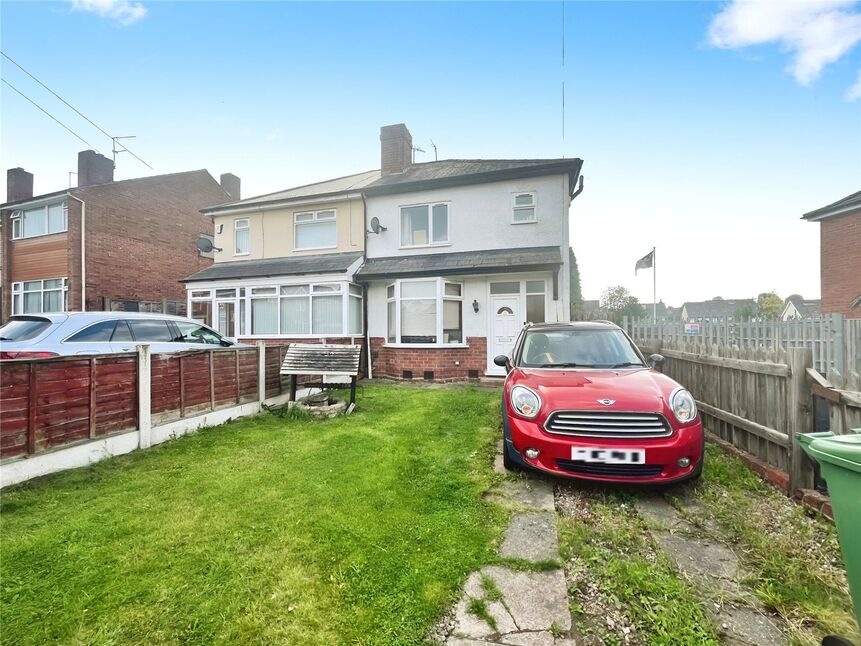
x=505 y=322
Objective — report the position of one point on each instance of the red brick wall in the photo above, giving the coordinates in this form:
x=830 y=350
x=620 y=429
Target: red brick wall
x=391 y=362
x=840 y=263
x=141 y=235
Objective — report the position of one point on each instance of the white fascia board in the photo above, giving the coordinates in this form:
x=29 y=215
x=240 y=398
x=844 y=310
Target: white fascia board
x=280 y=204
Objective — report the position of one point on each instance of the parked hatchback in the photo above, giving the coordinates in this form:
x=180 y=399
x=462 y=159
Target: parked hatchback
x=581 y=400
x=72 y=333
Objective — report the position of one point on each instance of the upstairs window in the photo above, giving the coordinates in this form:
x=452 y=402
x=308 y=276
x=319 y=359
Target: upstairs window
x=315 y=230
x=242 y=237
x=524 y=208
x=40 y=221
x=424 y=225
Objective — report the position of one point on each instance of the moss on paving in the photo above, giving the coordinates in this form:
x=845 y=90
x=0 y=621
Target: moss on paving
x=614 y=545
x=793 y=556
x=356 y=530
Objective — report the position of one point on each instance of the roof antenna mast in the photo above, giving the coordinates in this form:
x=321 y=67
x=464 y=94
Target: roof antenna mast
x=115 y=150
x=435 y=157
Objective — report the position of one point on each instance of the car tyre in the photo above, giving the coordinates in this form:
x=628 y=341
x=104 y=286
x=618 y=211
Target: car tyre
x=507 y=461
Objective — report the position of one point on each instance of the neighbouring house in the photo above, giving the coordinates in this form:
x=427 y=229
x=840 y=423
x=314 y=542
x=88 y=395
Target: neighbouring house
x=104 y=244
x=839 y=255
x=285 y=264
x=662 y=311
x=467 y=251
x=586 y=310
x=717 y=308
x=434 y=266
x=797 y=307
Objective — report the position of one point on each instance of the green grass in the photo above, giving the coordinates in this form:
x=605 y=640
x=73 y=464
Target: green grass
x=613 y=543
x=478 y=607
x=794 y=558
x=356 y=530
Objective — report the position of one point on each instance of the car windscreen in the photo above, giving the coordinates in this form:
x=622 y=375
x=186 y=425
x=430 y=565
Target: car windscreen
x=24 y=328
x=578 y=348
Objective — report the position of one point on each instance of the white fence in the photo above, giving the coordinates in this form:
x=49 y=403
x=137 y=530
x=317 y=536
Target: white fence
x=834 y=341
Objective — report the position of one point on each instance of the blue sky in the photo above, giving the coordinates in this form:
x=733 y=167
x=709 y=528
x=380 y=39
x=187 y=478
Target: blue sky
x=701 y=132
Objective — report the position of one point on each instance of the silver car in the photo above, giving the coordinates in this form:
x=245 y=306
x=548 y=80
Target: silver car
x=30 y=336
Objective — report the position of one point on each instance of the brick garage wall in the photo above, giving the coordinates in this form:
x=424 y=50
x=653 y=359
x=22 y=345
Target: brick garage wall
x=141 y=235
x=840 y=263
x=391 y=362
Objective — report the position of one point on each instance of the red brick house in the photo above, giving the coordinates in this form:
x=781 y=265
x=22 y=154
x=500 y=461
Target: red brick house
x=840 y=255
x=104 y=244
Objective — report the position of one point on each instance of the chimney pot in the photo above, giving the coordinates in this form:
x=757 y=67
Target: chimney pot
x=396 y=149
x=19 y=184
x=231 y=185
x=94 y=168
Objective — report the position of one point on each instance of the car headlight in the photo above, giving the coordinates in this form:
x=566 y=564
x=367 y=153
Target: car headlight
x=526 y=402
x=684 y=406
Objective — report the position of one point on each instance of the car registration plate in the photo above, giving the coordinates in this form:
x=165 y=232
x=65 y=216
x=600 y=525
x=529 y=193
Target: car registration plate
x=609 y=456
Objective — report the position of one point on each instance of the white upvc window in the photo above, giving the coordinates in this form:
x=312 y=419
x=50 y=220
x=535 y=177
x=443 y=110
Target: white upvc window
x=40 y=221
x=523 y=208
x=425 y=312
x=242 y=237
x=315 y=230
x=424 y=225
x=40 y=296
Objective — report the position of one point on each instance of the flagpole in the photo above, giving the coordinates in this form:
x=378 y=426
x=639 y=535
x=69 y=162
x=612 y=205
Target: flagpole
x=654 y=287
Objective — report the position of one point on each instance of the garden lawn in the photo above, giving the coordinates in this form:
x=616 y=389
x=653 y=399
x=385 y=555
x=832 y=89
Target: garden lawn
x=356 y=530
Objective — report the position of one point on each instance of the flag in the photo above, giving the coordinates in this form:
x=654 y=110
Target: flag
x=645 y=262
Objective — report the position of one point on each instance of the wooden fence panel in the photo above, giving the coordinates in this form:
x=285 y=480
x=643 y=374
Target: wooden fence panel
x=114 y=398
x=248 y=376
x=62 y=402
x=225 y=378
x=165 y=391
x=14 y=408
x=196 y=389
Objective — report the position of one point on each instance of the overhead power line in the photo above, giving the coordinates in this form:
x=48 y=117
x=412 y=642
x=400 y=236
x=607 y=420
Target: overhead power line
x=49 y=114
x=78 y=112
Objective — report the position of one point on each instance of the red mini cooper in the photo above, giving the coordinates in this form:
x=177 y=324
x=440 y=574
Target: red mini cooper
x=581 y=400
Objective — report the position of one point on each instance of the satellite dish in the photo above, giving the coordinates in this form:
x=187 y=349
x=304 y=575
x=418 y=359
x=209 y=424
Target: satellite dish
x=376 y=227
x=204 y=245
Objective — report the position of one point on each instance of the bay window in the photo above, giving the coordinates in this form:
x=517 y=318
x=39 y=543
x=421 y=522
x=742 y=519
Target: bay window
x=308 y=309
x=315 y=230
x=40 y=221
x=39 y=296
x=424 y=225
x=427 y=311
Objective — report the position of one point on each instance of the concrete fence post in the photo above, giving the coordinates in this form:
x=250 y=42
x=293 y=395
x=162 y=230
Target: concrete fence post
x=838 y=347
x=799 y=417
x=261 y=370
x=144 y=396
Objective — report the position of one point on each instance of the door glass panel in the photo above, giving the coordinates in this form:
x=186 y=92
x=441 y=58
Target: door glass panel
x=535 y=308
x=122 y=333
x=226 y=312
x=510 y=287
x=100 y=332
x=151 y=330
x=534 y=286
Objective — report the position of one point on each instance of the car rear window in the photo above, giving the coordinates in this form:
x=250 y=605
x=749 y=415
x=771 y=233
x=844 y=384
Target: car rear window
x=153 y=330
x=98 y=332
x=24 y=328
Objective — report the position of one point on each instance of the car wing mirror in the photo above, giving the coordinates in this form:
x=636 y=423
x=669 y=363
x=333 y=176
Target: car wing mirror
x=657 y=361
x=502 y=361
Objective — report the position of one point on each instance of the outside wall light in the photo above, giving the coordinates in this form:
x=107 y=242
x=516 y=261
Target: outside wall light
x=475 y=306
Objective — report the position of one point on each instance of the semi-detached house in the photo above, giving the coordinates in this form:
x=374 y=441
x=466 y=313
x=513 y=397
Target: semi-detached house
x=433 y=266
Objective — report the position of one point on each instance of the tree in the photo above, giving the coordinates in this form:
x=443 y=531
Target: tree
x=617 y=303
x=744 y=313
x=769 y=304
x=576 y=296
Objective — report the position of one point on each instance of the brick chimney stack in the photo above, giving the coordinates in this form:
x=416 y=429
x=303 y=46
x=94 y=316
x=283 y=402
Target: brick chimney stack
x=396 y=148
x=94 y=168
x=19 y=184
x=231 y=185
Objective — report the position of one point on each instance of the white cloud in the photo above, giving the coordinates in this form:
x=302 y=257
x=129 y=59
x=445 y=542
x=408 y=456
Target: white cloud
x=122 y=12
x=854 y=92
x=816 y=33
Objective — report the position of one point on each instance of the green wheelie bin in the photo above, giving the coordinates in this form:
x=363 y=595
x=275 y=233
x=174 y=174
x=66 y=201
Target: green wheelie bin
x=839 y=458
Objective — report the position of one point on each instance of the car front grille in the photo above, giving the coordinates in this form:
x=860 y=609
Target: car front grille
x=611 y=470
x=598 y=423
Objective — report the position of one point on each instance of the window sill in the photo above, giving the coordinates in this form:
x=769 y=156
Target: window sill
x=41 y=235
x=426 y=346
x=426 y=246
x=247 y=253
x=526 y=222
x=314 y=248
